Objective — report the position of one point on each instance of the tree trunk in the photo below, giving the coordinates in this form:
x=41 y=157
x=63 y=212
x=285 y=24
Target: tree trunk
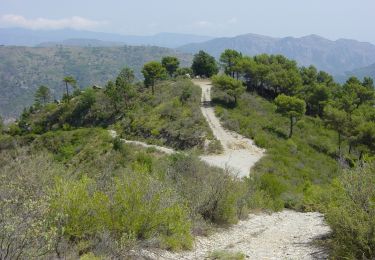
x=340 y=144
x=153 y=89
x=67 y=89
x=291 y=127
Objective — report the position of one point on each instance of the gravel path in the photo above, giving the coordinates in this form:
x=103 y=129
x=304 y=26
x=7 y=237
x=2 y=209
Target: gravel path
x=240 y=153
x=166 y=150
x=283 y=235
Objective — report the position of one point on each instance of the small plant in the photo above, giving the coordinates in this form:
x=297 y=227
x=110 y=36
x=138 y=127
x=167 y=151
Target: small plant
x=226 y=255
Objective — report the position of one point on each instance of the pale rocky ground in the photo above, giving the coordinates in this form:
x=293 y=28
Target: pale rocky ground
x=239 y=153
x=166 y=150
x=282 y=235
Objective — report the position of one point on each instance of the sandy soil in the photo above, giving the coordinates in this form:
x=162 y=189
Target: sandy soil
x=240 y=153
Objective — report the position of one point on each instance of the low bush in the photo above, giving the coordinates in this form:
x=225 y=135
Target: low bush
x=351 y=214
x=290 y=165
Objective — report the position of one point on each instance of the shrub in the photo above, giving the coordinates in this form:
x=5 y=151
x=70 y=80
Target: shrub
x=226 y=255
x=352 y=215
x=211 y=194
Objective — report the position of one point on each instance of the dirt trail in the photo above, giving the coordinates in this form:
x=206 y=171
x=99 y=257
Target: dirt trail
x=282 y=235
x=166 y=150
x=240 y=153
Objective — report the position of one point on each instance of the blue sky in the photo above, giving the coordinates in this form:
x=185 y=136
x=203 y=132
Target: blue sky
x=332 y=19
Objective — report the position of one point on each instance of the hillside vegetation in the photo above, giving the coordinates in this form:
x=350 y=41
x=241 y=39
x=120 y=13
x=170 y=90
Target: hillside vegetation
x=319 y=137
x=69 y=189
x=75 y=191
x=23 y=69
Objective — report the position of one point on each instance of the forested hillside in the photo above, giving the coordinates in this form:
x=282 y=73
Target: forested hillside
x=23 y=69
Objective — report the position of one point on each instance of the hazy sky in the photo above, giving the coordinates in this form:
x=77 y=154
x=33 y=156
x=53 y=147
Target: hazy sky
x=330 y=18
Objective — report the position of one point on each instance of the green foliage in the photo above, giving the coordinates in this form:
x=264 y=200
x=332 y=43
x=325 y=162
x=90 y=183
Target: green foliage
x=152 y=72
x=171 y=117
x=69 y=80
x=229 y=59
x=126 y=76
x=230 y=86
x=139 y=208
x=24 y=228
x=283 y=176
x=78 y=209
x=143 y=207
x=42 y=95
x=33 y=67
x=86 y=194
x=271 y=75
x=184 y=72
x=352 y=215
x=171 y=64
x=226 y=255
x=212 y=195
x=204 y=65
x=305 y=90
x=292 y=107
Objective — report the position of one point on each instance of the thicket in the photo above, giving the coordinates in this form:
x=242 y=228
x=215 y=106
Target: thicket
x=351 y=213
x=72 y=193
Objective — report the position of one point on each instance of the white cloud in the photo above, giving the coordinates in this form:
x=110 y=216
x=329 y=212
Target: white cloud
x=75 y=22
x=203 y=24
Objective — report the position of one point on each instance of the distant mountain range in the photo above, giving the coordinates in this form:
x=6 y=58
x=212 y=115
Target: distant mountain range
x=81 y=43
x=368 y=71
x=335 y=57
x=69 y=52
x=25 y=37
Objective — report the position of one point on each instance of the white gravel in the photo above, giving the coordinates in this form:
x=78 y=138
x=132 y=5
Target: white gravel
x=283 y=235
x=240 y=153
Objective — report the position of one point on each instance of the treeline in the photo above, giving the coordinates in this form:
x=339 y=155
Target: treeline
x=348 y=109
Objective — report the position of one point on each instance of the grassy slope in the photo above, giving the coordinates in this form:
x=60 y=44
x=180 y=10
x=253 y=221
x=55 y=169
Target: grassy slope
x=291 y=166
x=162 y=118
x=166 y=120
x=23 y=69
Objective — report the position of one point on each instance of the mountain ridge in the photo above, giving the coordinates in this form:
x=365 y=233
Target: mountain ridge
x=335 y=57
x=30 y=38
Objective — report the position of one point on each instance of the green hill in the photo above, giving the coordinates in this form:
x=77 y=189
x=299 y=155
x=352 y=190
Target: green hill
x=23 y=69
